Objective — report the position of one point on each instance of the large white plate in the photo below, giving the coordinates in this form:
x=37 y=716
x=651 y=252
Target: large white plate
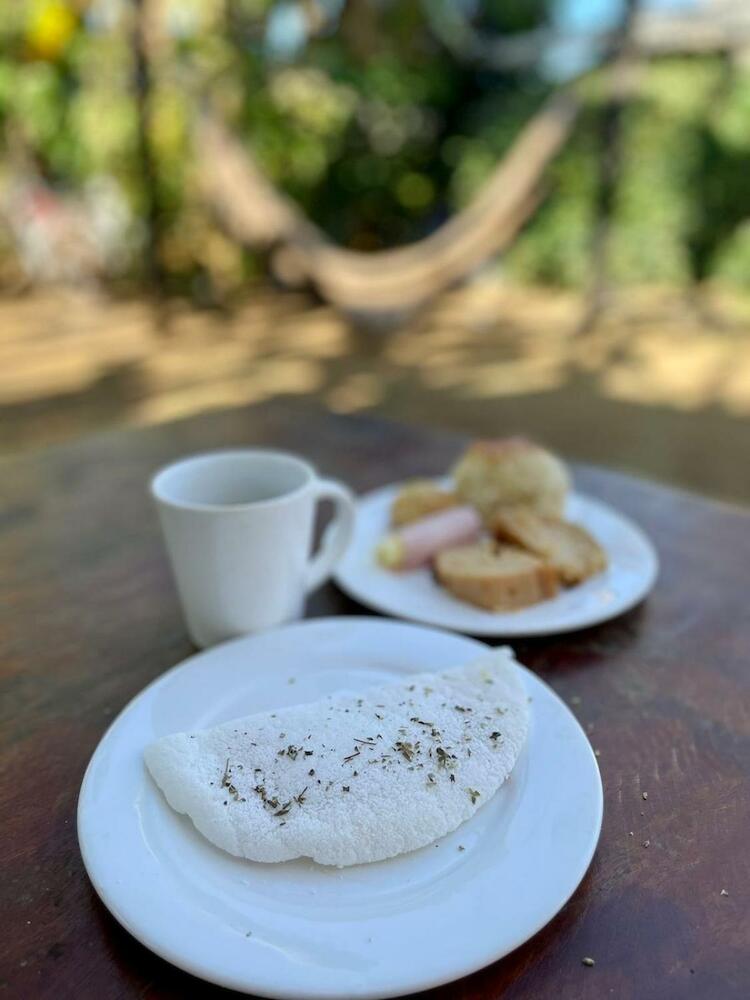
x=300 y=930
x=630 y=575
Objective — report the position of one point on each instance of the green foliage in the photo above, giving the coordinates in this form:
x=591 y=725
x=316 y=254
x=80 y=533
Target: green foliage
x=554 y=249
x=683 y=195
x=379 y=133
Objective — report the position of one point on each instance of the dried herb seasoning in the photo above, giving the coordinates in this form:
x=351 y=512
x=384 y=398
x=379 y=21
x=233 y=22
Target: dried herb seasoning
x=405 y=749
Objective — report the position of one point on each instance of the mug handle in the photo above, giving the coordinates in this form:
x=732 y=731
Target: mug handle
x=337 y=535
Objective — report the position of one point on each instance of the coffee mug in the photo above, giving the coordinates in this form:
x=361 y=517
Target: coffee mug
x=238 y=527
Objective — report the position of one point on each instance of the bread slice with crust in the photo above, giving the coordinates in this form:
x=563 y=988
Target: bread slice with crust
x=495 y=577
x=417 y=499
x=568 y=548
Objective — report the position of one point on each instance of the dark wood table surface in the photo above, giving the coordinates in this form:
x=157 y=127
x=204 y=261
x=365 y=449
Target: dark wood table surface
x=88 y=616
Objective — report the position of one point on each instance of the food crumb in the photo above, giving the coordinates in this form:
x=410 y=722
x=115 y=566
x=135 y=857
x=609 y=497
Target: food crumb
x=644 y=795
x=597 y=753
x=723 y=892
x=646 y=843
x=588 y=961
x=631 y=834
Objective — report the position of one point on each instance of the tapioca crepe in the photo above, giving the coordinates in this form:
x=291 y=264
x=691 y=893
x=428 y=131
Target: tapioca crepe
x=353 y=777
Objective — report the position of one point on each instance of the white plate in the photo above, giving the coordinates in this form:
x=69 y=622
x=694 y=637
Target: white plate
x=300 y=930
x=630 y=575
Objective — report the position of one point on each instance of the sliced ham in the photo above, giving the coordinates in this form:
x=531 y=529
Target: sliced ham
x=418 y=542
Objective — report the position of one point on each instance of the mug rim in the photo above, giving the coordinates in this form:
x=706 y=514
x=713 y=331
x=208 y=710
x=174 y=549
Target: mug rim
x=157 y=489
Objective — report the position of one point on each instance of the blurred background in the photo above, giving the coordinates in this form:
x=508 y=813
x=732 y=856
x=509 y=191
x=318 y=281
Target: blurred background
x=492 y=215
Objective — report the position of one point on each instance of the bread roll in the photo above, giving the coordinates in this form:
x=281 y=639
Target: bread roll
x=509 y=472
x=419 y=498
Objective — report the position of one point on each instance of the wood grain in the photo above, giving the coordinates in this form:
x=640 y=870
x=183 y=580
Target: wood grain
x=88 y=616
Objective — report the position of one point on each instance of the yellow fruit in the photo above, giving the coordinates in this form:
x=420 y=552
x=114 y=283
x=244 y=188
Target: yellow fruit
x=49 y=29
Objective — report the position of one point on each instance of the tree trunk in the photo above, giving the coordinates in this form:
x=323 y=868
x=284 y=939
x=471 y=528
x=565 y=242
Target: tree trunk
x=610 y=148
x=142 y=87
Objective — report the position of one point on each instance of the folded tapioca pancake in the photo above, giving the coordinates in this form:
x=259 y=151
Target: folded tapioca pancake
x=353 y=777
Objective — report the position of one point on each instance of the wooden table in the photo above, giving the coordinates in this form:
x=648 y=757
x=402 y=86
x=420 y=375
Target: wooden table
x=88 y=616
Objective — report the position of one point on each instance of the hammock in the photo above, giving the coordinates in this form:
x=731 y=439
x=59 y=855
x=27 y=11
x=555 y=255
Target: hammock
x=256 y=214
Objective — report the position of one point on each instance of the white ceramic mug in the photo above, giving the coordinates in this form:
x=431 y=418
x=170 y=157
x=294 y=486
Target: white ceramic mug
x=238 y=527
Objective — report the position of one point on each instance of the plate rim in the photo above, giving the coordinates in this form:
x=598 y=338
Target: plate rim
x=343 y=581
x=184 y=962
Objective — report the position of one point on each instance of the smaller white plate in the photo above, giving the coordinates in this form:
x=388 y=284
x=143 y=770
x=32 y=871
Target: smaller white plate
x=301 y=931
x=630 y=575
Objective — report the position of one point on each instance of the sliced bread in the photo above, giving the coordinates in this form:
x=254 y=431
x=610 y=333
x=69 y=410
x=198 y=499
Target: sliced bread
x=495 y=577
x=568 y=548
